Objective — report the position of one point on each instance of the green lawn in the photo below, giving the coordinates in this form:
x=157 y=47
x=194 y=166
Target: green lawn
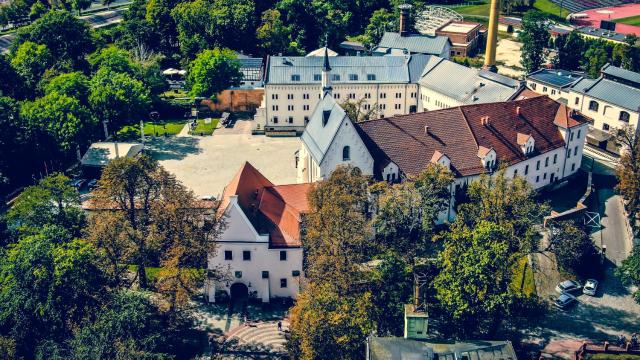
x=609 y=356
x=523 y=281
x=483 y=10
x=477 y=10
x=632 y=20
x=548 y=7
x=152 y=272
x=203 y=128
x=159 y=128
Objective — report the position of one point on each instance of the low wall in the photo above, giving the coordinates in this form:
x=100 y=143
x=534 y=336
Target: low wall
x=576 y=212
x=236 y=100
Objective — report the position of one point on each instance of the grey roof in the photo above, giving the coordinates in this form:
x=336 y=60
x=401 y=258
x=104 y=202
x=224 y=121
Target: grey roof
x=555 y=77
x=352 y=45
x=601 y=33
x=101 y=153
x=318 y=136
x=467 y=85
x=414 y=43
x=614 y=73
x=610 y=91
x=390 y=348
x=387 y=69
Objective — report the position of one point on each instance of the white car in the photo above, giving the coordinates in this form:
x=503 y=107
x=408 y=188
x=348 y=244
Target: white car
x=590 y=287
x=568 y=286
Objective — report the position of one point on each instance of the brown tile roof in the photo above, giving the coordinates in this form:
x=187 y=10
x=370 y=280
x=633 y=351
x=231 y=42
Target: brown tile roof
x=565 y=119
x=525 y=93
x=460 y=133
x=522 y=138
x=273 y=209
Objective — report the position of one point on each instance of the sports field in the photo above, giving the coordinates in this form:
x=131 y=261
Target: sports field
x=626 y=16
x=631 y=20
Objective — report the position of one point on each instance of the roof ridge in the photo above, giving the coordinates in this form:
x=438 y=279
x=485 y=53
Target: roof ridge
x=466 y=121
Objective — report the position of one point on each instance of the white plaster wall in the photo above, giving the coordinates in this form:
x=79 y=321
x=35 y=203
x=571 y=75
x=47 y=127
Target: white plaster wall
x=389 y=170
x=551 y=91
x=360 y=157
x=606 y=114
x=433 y=100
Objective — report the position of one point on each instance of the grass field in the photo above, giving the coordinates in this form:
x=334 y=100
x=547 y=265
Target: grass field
x=632 y=20
x=545 y=6
x=523 y=281
x=205 y=129
x=152 y=272
x=548 y=7
x=474 y=10
x=160 y=128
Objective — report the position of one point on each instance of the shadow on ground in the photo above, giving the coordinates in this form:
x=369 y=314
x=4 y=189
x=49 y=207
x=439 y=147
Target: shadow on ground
x=173 y=147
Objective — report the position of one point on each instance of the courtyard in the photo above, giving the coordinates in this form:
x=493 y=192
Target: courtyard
x=206 y=164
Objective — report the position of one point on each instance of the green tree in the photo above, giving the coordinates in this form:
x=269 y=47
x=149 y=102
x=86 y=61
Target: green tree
x=117 y=97
x=10 y=86
x=74 y=85
x=629 y=271
x=597 y=55
x=357 y=112
x=66 y=36
x=474 y=281
x=58 y=123
x=31 y=61
x=52 y=202
x=628 y=169
x=11 y=143
x=158 y=16
x=535 y=39
x=113 y=59
x=382 y=20
x=48 y=290
x=155 y=221
x=337 y=233
x=326 y=324
x=574 y=249
x=570 y=49
x=391 y=289
x=80 y=5
x=407 y=212
x=509 y=203
x=273 y=35
x=213 y=71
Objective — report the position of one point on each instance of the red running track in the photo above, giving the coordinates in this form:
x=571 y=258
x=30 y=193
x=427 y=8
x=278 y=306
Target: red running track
x=617 y=12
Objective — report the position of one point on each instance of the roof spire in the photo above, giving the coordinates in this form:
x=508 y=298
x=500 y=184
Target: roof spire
x=326 y=66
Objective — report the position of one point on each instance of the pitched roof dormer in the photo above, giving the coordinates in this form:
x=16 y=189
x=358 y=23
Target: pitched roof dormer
x=441 y=159
x=488 y=157
x=526 y=142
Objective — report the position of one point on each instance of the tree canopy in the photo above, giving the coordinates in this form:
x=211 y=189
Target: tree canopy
x=213 y=71
x=535 y=39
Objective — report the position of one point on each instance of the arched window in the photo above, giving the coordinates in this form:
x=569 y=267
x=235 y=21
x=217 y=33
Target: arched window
x=624 y=116
x=346 y=153
x=593 y=105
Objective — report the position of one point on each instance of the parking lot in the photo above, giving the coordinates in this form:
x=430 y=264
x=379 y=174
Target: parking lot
x=206 y=164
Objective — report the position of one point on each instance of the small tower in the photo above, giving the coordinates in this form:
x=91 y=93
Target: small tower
x=326 y=73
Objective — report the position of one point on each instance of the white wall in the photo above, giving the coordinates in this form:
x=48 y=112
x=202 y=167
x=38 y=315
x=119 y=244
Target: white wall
x=606 y=114
x=433 y=100
x=360 y=157
x=553 y=92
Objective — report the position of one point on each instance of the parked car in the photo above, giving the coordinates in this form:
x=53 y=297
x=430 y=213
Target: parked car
x=564 y=300
x=77 y=183
x=568 y=286
x=92 y=184
x=590 y=287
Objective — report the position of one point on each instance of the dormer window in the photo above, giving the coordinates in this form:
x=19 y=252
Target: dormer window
x=325 y=117
x=317 y=77
x=295 y=77
x=371 y=77
x=353 y=77
x=526 y=143
x=335 y=77
x=488 y=157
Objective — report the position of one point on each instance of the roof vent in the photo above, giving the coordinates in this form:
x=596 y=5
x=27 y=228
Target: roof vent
x=518 y=110
x=325 y=117
x=287 y=61
x=484 y=120
x=426 y=129
x=481 y=84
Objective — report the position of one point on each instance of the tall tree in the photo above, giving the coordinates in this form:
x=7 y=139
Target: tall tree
x=628 y=169
x=11 y=143
x=381 y=20
x=10 y=86
x=391 y=289
x=160 y=223
x=326 y=324
x=570 y=49
x=629 y=271
x=31 y=61
x=473 y=283
x=274 y=37
x=360 y=110
x=48 y=290
x=213 y=71
x=535 y=39
x=74 y=85
x=574 y=249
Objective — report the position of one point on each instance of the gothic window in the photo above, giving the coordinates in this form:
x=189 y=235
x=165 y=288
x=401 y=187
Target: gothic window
x=346 y=153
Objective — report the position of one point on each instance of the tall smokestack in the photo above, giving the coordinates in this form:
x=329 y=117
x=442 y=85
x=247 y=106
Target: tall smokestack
x=492 y=37
x=405 y=9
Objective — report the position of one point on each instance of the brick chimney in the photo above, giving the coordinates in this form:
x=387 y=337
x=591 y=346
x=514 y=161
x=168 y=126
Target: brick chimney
x=405 y=10
x=492 y=37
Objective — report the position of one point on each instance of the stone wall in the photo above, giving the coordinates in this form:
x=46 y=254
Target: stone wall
x=236 y=100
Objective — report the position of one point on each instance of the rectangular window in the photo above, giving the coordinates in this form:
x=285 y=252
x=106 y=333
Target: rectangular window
x=544 y=89
x=246 y=255
x=371 y=77
x=573 y=167
x=290 y=119
x=546 y=162
x=538 y=178
x=353 y=77
x=383 y=95
x=526 y=169
x=290 y=96
x=555 y=158
x=228 y=255
x=578 y=136
x=337 y=96
x=544 y=177
x=571 y=137
x=317 y=77
x=305 y=107
x=553 y=92
x=306 y=120
x=367 y=96
x=305 y=96
x=538 y=165
x=283 y=283
x=290 y=107
x=569 y=153
x=335 y=77
x=398 y=106
x=575 y=151
x=283 y=255
x=295 y=77
x=274 y=96
x=398 y=95
x=576 y=101
x=275 y=119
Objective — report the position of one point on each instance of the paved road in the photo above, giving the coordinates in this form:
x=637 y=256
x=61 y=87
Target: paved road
x=613 y=234
x=97 y=20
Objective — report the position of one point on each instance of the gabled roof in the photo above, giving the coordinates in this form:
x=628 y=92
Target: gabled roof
x=272 y=209
x=318 y=136
x=621 y=75
x=460 y=133
x=471 y=86
x=414 y=43
x=522 y=138
x=610 y=91
x=564 y=118
x=437 y=155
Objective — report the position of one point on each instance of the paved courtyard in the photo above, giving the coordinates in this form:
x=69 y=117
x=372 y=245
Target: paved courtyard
x=206 y=164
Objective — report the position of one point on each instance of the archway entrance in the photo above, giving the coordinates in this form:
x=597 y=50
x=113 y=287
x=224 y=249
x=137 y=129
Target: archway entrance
x=239 y=291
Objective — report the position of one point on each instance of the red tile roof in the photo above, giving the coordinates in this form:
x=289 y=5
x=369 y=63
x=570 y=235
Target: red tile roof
x=460 y=133
x=273 y=209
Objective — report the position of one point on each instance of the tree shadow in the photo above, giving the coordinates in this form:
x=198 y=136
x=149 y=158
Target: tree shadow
x=173 y=147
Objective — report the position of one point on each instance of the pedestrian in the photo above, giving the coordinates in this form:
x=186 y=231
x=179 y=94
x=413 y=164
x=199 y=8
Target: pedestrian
x=279 y=325
x=245 y=318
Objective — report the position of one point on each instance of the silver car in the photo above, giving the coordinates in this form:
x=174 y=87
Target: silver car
x=590 y=287
x=564 y=300
x=568 y=286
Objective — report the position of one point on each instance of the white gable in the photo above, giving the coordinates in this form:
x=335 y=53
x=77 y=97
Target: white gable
x=238 y=227
x=323 y=125
x=347 y=141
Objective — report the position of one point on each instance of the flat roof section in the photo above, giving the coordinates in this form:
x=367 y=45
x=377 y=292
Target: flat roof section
x=459 y=27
